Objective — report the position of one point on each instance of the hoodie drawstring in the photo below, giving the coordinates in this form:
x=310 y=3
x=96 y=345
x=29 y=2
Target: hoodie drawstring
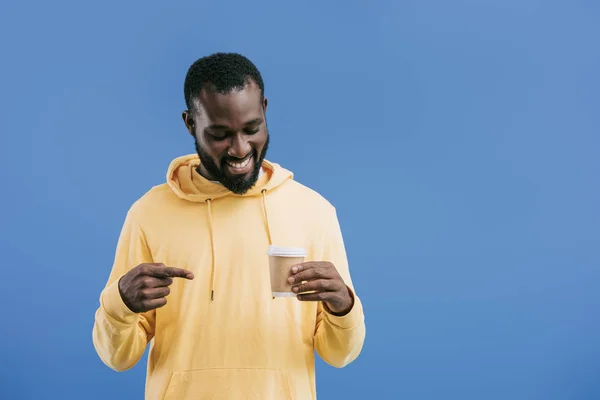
x=212 y=239
x=264 y=193
x=212 y=246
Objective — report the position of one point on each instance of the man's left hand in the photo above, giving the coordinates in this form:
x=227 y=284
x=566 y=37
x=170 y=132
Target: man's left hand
x=321 y=278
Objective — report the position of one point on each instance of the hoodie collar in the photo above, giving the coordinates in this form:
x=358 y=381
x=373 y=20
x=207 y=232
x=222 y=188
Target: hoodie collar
x=188 y=184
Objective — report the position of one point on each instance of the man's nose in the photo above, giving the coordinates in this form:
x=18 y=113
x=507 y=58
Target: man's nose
x=239 y=147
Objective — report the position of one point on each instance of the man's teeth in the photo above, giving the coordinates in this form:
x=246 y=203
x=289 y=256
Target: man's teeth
x=239 y=165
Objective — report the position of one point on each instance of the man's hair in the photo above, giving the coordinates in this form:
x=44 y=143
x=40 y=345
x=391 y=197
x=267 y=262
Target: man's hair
x=222 y=73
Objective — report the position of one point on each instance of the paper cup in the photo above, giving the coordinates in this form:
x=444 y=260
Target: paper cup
x=281 y=260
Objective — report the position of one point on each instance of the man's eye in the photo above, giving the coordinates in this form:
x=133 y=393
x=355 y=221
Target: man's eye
x=253 y=130
x=218 y=136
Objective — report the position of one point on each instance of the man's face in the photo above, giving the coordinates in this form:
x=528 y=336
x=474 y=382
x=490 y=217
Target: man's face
x=231 y=136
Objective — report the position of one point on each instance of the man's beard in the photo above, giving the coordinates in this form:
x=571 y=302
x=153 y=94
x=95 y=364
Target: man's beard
x=240 y=184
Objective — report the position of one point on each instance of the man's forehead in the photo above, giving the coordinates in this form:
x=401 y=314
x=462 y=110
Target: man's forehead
x=238 y=100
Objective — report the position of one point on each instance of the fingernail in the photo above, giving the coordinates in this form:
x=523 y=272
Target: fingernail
x=291 y=279
x=294 y=269
x=295 y=289
x=190 y=276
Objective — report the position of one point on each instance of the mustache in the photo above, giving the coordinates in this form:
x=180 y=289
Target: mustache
x=238 y=160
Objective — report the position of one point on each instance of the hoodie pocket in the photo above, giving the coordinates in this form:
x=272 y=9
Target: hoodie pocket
x=230 y=383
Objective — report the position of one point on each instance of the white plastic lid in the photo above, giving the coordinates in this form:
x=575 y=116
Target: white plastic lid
x=286 y=251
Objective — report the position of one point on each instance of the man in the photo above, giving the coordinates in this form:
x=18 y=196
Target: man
x=191 y=271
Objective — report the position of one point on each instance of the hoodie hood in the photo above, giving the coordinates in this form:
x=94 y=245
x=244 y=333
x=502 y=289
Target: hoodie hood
x=189 y=185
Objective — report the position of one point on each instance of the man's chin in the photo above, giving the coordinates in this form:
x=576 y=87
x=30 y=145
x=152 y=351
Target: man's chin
x=238 y=177
x=239 y=184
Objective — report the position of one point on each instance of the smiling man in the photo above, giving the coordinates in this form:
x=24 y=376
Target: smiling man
x=191 y=271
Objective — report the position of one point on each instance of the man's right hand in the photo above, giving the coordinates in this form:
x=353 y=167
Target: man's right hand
x=146 y=286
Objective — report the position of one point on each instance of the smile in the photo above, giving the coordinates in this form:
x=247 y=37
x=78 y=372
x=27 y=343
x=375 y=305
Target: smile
x=239 y=165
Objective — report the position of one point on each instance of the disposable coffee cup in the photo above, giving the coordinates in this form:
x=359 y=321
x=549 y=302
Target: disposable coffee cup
x=281 y=261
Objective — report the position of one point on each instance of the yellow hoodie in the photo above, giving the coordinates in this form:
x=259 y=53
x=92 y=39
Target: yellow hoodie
x=222 y=335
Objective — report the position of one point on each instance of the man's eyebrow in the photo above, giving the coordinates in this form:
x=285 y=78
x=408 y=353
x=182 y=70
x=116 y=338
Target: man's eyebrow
x=215 y=127
x=254 y=121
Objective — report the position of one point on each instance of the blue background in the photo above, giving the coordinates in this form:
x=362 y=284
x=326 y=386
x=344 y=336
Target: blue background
x=458 y=140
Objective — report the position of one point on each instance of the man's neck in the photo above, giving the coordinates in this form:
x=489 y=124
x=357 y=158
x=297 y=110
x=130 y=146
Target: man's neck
x=203 y=173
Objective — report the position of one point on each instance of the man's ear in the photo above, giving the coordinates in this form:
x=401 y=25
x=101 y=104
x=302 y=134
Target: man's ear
x=189 y=122
x=265 y=103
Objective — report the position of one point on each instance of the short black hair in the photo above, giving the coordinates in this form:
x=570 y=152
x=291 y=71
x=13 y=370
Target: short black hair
x=222 y=73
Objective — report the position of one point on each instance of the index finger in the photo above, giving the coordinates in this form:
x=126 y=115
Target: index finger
x=162 y=271
x=303 y=266
x=308 y=271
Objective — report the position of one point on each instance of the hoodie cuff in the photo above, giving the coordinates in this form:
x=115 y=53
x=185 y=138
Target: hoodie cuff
x=350 y=320
x=114 y=307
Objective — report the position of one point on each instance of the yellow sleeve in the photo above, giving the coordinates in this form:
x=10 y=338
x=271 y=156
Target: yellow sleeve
x=339 y=339
x=120 y=336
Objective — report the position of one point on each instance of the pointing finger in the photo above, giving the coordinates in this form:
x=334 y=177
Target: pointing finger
x=171 y=272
